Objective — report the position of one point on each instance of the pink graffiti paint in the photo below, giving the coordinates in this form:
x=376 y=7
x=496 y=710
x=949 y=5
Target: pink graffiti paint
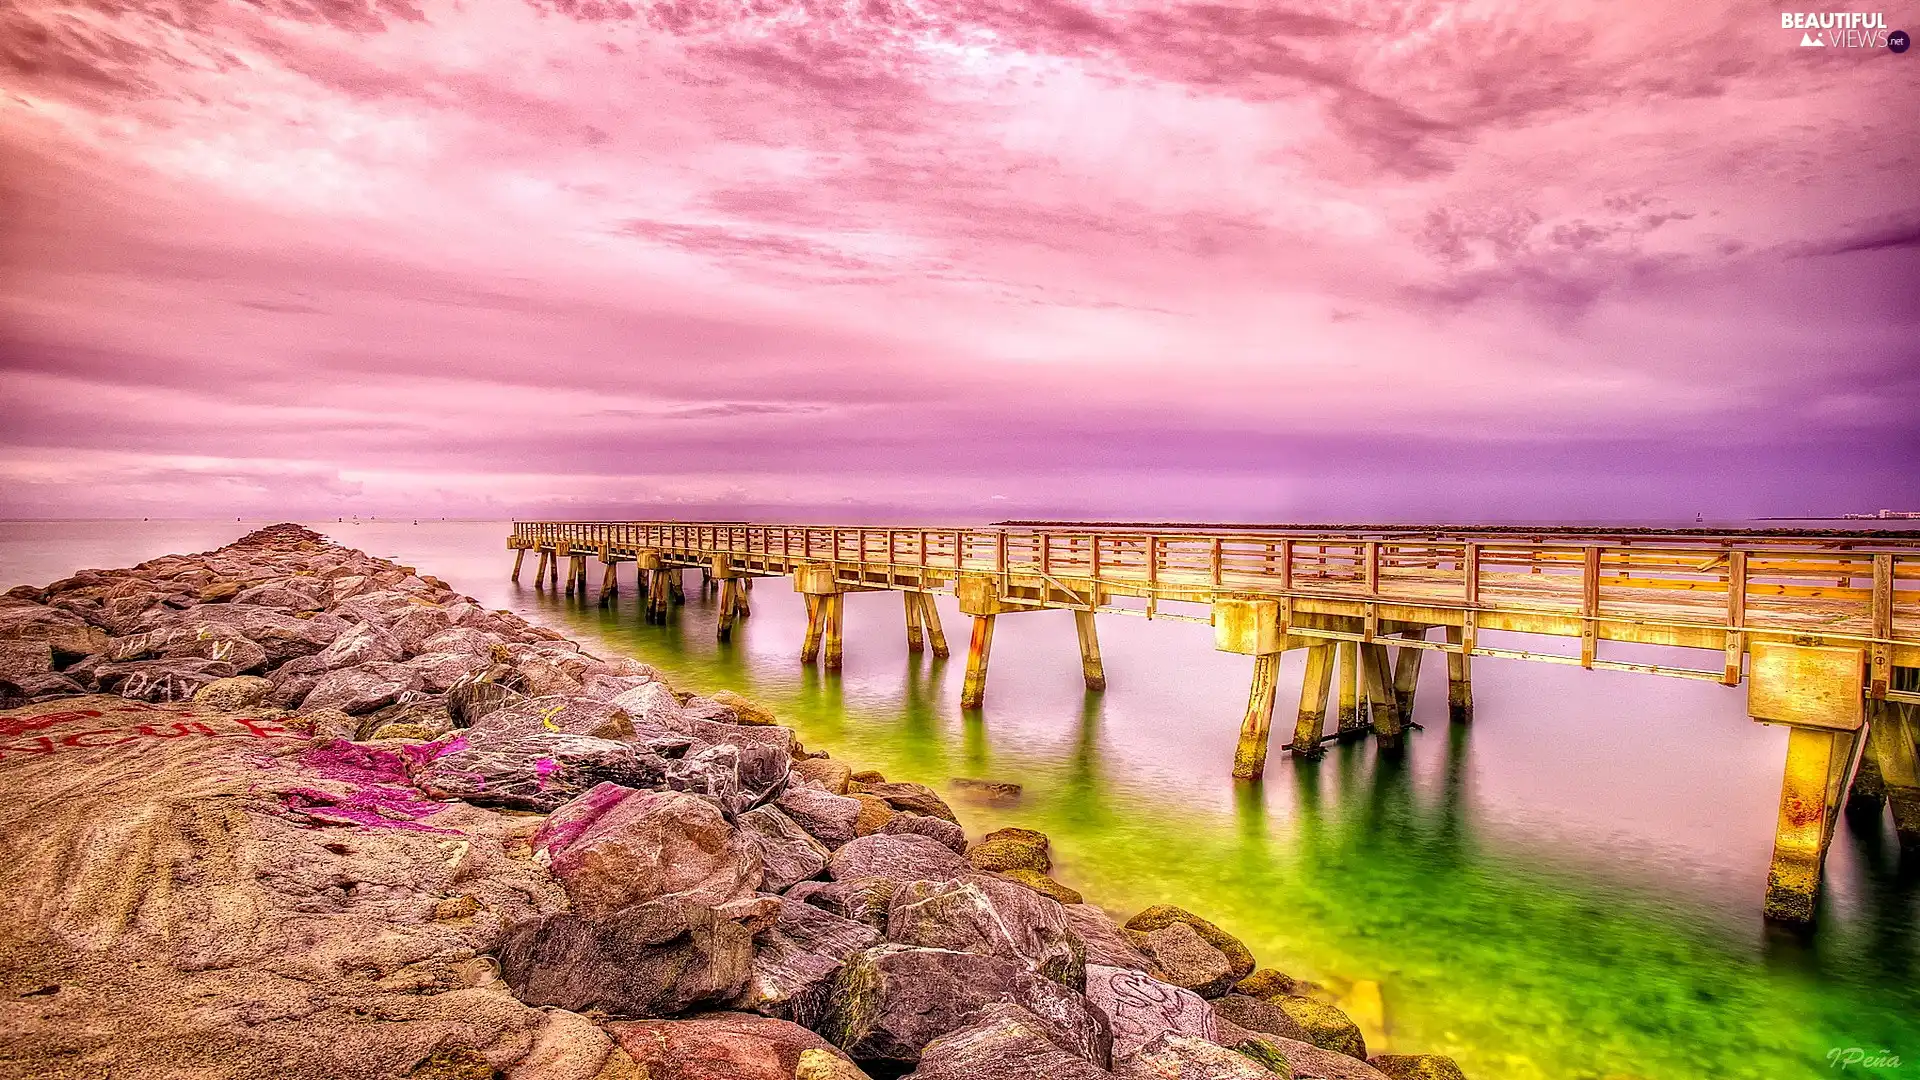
x=368 y=807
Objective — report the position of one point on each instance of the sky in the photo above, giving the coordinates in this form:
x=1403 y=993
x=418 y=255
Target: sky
x=954 y=260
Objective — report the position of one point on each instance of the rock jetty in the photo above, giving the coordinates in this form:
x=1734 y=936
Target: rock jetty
x=285 y=809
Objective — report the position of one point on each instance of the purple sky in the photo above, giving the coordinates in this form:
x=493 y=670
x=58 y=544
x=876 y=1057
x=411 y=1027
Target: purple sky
x=960 y=260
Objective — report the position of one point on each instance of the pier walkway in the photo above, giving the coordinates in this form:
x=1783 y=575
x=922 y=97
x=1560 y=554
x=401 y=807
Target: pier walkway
x=1823 y=627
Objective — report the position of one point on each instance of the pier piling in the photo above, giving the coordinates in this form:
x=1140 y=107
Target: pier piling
x=1311 y=721
x=973 y=690
x=519 y=556
x=1250 y=755
x=1351 y=725
x=1459 y=679
x=930 y=619
x=916 y=640
x=1091 y=668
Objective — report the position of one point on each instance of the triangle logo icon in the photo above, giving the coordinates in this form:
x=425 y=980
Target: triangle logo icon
x=1809 y=41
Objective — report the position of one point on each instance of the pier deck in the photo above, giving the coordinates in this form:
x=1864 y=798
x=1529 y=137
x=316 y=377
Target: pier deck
x=1823 y=626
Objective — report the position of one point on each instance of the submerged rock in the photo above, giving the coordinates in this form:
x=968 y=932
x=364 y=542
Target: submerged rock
x=1417 y=1066
x=1012 y=849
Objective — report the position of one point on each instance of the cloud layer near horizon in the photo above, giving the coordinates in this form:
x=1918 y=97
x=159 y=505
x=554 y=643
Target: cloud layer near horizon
x=966 y=258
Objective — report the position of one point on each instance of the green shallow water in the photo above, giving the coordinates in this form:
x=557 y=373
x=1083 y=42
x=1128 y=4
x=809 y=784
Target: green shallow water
x=1568 y=888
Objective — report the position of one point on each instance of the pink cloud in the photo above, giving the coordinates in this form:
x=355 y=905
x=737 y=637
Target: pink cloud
x=1323 y=259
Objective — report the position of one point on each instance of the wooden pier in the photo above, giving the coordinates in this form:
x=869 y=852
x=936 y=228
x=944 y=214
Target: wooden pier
x=1823 y=627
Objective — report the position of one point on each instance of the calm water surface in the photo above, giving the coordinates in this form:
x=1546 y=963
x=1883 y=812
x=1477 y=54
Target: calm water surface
x=1569 y=888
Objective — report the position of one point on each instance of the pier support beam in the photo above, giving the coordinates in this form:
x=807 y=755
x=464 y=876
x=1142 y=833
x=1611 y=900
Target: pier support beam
x=1090 y=667
x=916 y=641
x=834 y=620
x=1250 y=756
x=1459 y=679
x=1351 y=726
x=1377 y=677
x=609 y=584
x=1406 y=675
x=519 y=556
x=1816 y=692
x=1891 y=728
x=540 y=568
x=973 y=690
x=729 y=591
x=816 y=624
x=1314 y=687
x=930 y=619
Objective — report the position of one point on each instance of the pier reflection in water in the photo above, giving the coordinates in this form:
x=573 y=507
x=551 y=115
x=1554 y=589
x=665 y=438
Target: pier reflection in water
x=1565 y=889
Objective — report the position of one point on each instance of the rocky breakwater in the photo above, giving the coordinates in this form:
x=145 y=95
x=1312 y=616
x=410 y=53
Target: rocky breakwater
x=287 y=809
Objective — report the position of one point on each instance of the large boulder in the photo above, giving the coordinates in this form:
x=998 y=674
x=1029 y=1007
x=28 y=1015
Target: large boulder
x=1324 y=1025
x=1257 y=1015
x=863 y=900
x=554 y=713
x=734 y=777
x=468 y=702
x=1012 y=849
x=234 y=694
x=899 y=858
x=720 y=1046
x=535 y=772
x=160 y=680
x=1003 y=1042
x=1310 y=1062
x=829 y=818
x=829 y=774
x=613 y=848
x=796 y=960
x=416 y=624
x=361 y=644
x=1106 y=945
x=891 y=1001
x=987 y=915
x=647 y=960
x=1141 y=1009
x=1185 y=959
x=1172 y=1056
x=940 y=829
x=362 y=689
x=787 y=853
x=442 y=671
x=912 y=799
x=463 y=640
x=1239 y=957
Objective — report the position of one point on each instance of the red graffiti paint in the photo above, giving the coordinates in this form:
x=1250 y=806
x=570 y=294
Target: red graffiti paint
x=96 y=737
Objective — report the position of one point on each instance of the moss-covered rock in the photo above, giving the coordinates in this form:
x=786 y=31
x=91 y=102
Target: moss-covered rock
x=1417 y=1066
x=1267 y=984
x=1325 y=1025
x=746 y=710
x=416 y=732
x=1044 y=885
x=874 y=814
x=869 y=776
x=1238 y=955
x=233 y=694
x=1012 y=849
x=828 y=773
